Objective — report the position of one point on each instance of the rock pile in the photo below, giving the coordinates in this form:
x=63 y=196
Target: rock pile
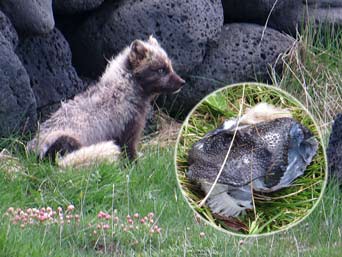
x=52 y=49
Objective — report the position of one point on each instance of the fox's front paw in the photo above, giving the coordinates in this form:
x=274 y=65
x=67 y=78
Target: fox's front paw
x=38 y=147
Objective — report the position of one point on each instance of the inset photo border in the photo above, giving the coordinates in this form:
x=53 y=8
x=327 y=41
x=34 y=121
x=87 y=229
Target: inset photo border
x=270 y=211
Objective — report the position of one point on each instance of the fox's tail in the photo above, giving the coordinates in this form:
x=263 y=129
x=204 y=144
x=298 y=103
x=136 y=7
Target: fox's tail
x=85 y=156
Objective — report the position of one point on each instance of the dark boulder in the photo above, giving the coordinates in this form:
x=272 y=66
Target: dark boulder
x=29 y=16
x=17 y=101
x=183 y=28
x=245 y=52
x=75 y=6
x=334 y=151
x=47 y=59
x=282 y=15
x=7 y=30
x=325 y=11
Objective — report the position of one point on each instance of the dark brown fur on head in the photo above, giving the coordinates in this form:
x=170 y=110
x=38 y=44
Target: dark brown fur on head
x=152 y=68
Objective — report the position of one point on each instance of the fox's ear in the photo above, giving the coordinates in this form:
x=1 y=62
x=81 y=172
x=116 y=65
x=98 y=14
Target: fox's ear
x=138 y=52
x=153 y=41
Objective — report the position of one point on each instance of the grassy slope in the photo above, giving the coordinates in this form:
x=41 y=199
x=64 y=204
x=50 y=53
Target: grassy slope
x=152 y=187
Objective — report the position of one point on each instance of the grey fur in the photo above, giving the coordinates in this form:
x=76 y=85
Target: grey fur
x=115 y=108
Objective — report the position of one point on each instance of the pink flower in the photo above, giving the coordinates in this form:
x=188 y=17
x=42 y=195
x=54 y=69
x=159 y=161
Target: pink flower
x=42 y=217
x=105 y=226
x=101 y=215
x=202 y=234
x=136 y=215
x=71 y=207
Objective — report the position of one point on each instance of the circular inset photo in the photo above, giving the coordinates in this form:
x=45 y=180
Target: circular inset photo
x=250 y=160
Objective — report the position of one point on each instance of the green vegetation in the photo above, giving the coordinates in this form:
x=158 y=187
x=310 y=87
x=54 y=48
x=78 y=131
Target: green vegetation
x=312 y=73
x=147 y=186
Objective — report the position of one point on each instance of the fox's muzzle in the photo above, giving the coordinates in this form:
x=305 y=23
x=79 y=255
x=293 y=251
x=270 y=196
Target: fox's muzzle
x=177 y=82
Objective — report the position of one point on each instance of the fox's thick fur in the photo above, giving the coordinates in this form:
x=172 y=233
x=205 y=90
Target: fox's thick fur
x=110 y=114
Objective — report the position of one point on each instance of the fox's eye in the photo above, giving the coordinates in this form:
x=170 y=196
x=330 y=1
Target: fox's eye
x=162 y=71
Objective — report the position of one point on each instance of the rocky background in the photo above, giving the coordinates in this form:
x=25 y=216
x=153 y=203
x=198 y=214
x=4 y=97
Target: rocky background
x=52 y=49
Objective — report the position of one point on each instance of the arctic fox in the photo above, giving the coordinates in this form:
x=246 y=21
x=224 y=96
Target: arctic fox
x=111 y=114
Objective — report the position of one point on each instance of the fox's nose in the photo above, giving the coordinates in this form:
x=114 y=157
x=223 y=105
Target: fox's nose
x=177 y=79
x=182 y=81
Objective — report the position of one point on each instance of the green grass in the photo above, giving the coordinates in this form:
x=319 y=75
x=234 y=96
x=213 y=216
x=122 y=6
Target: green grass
x=149 y=185
x=312 y=72
x=275 y=211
